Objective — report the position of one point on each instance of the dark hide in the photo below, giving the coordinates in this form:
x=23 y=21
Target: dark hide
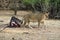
x=15 y=22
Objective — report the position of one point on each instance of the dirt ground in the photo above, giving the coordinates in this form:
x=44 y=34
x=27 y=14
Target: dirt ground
x=49 y=31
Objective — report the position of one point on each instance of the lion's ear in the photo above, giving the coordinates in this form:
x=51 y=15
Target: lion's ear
x=47 y=13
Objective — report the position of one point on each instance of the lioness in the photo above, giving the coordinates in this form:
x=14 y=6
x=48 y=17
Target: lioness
x=39 y=17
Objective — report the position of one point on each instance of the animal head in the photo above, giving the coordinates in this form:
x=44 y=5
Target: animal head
x=46 y=14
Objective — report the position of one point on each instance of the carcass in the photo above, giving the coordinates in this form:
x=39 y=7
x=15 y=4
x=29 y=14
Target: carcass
x=15 y=22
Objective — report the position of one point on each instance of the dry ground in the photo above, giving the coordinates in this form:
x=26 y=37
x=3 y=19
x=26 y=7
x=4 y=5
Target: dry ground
x=49 y=32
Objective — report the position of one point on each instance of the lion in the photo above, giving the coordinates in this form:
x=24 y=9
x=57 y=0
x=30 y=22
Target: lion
x=39 y=17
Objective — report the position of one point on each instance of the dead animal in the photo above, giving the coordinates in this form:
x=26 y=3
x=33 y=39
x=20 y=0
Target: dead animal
x=15 y=22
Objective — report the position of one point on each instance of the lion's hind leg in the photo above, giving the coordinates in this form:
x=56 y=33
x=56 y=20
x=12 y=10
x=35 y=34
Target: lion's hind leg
x=38 y=23
x=29 y=24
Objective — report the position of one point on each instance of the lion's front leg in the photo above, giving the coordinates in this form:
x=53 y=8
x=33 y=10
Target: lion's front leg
x=44 y=25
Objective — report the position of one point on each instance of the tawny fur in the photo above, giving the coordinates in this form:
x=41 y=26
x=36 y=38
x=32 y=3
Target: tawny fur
x=39 y=17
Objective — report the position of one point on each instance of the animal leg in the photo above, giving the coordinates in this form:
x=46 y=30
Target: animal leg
x=29 y=25
x=24 y=23
x=44 y=26
x=38 y=23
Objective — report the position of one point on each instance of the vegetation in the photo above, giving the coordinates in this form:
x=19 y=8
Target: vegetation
x=52 y=6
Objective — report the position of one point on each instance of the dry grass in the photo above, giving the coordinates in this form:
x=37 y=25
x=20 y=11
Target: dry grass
x=49 y=32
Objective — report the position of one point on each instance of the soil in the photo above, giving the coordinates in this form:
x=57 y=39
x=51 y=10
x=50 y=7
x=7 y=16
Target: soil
x=49 y=31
